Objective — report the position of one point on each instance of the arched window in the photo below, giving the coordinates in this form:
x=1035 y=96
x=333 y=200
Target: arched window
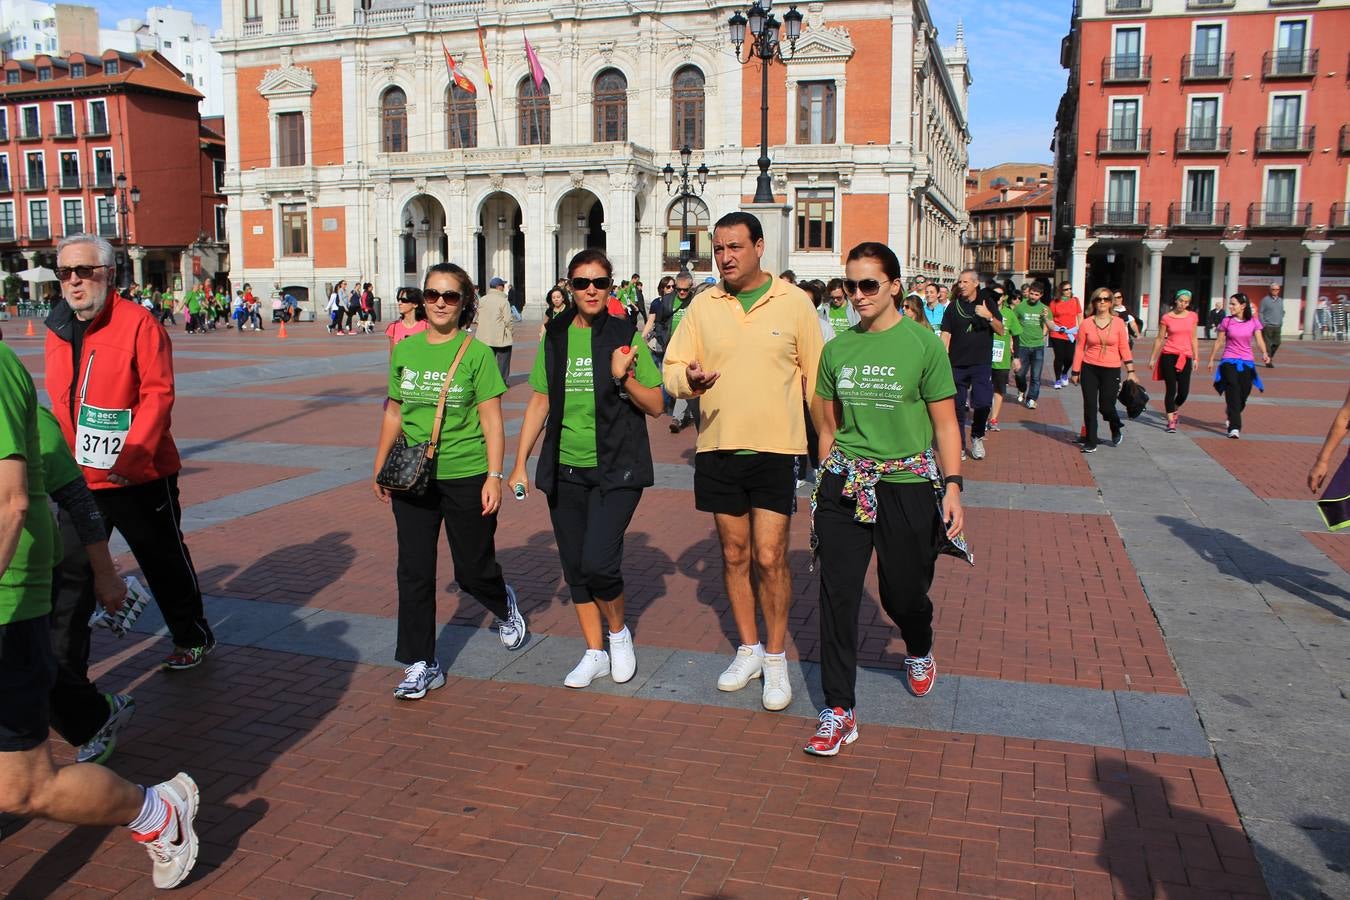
x=461 y=119
x=687 y=220
x=394 y=121
x=532 y=112
x=686 y=109
x=610 y=106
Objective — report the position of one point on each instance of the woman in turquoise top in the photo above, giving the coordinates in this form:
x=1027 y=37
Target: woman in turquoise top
x=466 y=487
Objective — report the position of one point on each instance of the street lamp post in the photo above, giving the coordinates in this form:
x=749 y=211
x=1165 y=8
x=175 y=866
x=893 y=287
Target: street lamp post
x=686 y=193
x=766 y=46
x=120 y=193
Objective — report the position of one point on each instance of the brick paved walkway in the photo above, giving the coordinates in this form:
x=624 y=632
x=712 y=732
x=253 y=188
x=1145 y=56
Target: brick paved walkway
x=316 y=783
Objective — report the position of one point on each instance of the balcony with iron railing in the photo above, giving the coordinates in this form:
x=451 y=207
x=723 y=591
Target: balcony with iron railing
x=1207 y=67
x=1285 y=139
x=698 y=262
x=1344 y=143
x=1120 y=215
x=1279 y=216
x=5 y=186
x=1118 y=142
x=1289 y=64
x=1199 y=216
x=7 y=234
x=96 y=130
x=1127 y=69
x=1340 y=217
x=70 y=182
x=25 y=135
x=1125 y=7
x=39 y=232
x=1210 y=4
x=1203 y=141
x=102 y=181
x=35 y=183
x=107 y=229
x=65 y=132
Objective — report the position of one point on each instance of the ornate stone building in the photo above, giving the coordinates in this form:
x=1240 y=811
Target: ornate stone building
x=353 y=156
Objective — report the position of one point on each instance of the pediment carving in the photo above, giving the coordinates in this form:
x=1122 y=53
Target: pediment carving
x=287 y=80
x=817 y=45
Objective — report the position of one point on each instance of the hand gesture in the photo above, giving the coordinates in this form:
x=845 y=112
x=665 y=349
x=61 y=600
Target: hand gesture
x=700 y=379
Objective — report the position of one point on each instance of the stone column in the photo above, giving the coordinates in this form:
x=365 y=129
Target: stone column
x=620 y=226
x=1230 y=278
x=538 y=243
x=1313 y=286
x=1078 y=265
x=137 y=255
x=1155 y=251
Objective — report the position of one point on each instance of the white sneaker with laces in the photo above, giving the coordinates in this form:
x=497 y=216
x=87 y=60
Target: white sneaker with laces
x=622 y=661
x=512 y=630
x=1031 y=404
x=99 y=747
x=174 y=850
x=777 y=691
x=977 y=448
x=1234 y=433
x=747 y=665
x=418 y=679
x=594 y=664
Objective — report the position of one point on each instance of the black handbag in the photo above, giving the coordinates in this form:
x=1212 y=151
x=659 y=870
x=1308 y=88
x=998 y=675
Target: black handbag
x=408 y=468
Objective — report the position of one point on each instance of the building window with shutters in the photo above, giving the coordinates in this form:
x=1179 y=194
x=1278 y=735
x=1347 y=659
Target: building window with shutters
x=290 y=139
x=394 y=121
x=686 y=109
x=610 y=106
x=815 y=112
x=815 y=219
x=294 y=230
x=532 y=109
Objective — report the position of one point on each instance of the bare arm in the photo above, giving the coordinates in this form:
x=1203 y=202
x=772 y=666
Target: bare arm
x=1340 y=426
x=1159 y=341
x=825 y=416
x=536 y=413
x=494 y=435
x=948 y=439
x=1260 y=340
x=13 y=506
x=1220 y=339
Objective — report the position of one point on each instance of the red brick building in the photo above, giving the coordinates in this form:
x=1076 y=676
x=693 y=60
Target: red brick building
x=1202 y=144
x=76 y=130
x=1010 y=231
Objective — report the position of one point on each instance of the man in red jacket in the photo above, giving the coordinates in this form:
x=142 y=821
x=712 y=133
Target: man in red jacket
x=110 y=381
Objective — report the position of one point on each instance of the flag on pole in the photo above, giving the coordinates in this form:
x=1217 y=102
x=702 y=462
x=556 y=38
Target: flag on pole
x=536 y=70
x=482 y=50
x=459 y=78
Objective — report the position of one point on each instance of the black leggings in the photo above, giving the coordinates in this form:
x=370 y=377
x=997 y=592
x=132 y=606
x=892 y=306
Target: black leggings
x=1237 y=388
x=1063 y=362
x=905 y=539
x=589 y=522
x=1177 y=381
x=1100 y=386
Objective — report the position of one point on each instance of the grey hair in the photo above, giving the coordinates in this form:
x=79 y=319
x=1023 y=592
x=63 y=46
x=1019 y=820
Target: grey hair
x=107 y=256
x=684 y=275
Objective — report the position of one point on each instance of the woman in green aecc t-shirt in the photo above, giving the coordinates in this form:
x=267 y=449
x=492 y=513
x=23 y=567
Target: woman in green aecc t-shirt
x=466 y=487
x=883 y=396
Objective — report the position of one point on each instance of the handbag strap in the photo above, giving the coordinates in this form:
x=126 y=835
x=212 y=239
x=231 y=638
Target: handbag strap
x=440 y=402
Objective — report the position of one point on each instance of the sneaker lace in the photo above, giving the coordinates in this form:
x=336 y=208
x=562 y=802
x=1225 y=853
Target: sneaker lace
x=414 y=673
x=830 y=722
x=919 y=666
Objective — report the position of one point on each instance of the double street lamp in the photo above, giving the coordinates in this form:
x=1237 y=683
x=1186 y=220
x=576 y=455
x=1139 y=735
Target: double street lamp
x=119 y=192
x=765 y=46
x=686 y=193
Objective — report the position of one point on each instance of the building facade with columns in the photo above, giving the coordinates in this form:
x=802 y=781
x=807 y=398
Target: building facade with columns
x=354 y=156
x=1204 y=146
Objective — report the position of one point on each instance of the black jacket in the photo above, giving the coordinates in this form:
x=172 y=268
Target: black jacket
x=622 y=451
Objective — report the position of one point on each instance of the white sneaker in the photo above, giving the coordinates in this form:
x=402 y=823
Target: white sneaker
x=747 y=664
x=977 y=448
x=1031 y=404
x=1021 y=396
x=622 y=662
x=174 y=850
x=1234 y=433
x=777 y=691
x=418 y=679
x=512 y=629
x=99 y=747
x=594 y=664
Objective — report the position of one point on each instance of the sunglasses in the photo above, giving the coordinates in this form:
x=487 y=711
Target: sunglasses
x=434 y=298
x=603 y=283
x=63 y=273
x=868 y=286
x=680 y=290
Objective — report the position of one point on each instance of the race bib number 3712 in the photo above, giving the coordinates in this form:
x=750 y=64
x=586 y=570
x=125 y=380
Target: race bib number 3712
x=100 y=435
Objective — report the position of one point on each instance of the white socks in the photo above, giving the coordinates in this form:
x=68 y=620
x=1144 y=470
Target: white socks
x=154 y=814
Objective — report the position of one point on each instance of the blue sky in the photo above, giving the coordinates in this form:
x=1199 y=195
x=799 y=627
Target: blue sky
x=1014 y=59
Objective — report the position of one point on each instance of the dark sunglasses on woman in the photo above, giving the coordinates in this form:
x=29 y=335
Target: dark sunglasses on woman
x=433 y=297
x=602 y=283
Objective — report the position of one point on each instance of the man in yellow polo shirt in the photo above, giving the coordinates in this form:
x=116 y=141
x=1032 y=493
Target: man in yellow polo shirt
x=748 y=349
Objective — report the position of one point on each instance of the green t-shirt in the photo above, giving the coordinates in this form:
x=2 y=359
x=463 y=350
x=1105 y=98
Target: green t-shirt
x=1029 y=318
x=58 y=463
x=751 y=297
x=416 y=371
x=26 y=584
x=884 y=382
x=1003 y=343
x=194 y=301
x=678 y=309
x=576 y=447
x=838 y=316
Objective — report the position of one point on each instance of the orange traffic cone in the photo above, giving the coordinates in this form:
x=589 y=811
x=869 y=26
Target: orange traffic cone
x=281 y=332
x=28 y=332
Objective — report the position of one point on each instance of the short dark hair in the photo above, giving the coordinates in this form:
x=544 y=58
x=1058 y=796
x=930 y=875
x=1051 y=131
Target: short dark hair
x=752 y=224
x=834 y=284
x=590 y=255
x=788 y=275
x=815 y=290
x=469 y=306
x=879 y=252
x=1246 y=305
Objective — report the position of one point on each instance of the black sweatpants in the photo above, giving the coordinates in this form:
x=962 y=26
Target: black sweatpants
x=906 y=538
x=974 y=384
x=1237 y=388
x=589 y=523
x=1063 y=363
x=457 y=503
x=1100 y=386
x=78 y=709
x=149 y=517
x=1176 y=382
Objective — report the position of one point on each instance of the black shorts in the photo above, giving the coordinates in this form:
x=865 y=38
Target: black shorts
x=732 y=483
x=27 y=675
x=1000 y=377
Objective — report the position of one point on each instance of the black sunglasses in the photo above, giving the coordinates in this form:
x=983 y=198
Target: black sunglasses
x=603 y=283
x=869 y=286
x=431 y=297
x=63 y=273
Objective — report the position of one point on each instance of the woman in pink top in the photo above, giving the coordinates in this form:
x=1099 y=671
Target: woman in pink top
x=1174 y=355
x=412 y=317
x=1103 y=346
x=1239 y=335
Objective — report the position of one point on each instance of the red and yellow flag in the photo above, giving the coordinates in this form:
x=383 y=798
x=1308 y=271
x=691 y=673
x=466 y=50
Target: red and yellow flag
x=459 y=78
x=482 y=49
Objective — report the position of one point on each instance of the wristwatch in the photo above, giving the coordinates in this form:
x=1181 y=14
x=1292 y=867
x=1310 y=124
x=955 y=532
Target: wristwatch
x=496 y=475
x=956 y=480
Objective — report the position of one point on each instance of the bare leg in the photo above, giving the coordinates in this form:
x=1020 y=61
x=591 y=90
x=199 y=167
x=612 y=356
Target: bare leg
x=84 y=794
x=589 y=617
x=613 y=611
x=734 y=534
x=769 y=536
